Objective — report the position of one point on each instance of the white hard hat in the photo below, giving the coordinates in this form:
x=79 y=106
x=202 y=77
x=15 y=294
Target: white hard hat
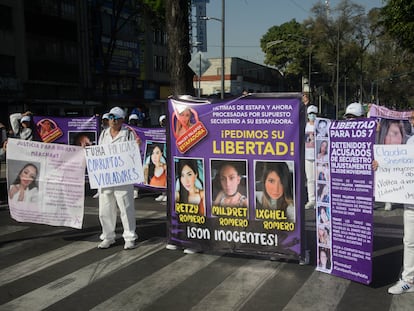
x=25 y=119
x=133 y=117
x=162 y=117
x=354 y=109
x=117 y=112
x=312 y=109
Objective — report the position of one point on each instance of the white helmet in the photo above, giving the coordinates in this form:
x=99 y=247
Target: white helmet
x=354 y=109
x=312 y=109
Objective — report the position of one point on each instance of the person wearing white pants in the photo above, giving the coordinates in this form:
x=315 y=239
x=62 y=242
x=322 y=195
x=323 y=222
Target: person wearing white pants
x=121 y=196
x=406 y=283
x=310 y=155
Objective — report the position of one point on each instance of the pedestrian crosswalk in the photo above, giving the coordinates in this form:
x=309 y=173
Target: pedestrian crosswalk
x=65 y=271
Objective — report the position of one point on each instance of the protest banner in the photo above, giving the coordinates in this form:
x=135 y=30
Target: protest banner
x=115 y=164
x=344 y=186
x=152 y=139
x=46 y=183
x=236 y=174
x=394 y=177
x=66 y=130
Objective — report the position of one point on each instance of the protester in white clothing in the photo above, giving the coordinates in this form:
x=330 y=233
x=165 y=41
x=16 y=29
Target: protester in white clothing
x=310 y=155
x=21 y=125
x=406 y=283
x=121 y=196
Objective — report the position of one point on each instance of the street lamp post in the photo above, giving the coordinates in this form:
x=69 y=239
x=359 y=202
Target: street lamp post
x=222 y=42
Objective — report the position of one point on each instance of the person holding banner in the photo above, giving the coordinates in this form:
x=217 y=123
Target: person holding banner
x=21 y=125
x=310 y=156
x=121 y=196
x=25 y=188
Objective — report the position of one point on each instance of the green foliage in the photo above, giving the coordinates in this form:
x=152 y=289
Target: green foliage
x=398 y=19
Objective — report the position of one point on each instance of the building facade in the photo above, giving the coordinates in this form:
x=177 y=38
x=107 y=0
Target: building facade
x=240 y=75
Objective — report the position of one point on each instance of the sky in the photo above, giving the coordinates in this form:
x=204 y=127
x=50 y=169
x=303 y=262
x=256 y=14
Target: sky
x=246 y=21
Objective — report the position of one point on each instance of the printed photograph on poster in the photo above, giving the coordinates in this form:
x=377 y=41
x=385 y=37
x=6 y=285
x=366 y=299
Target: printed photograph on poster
x=188 y=130
x=321 y=128
x=324 y=215
x=229 y=183
x=189 y=184
x=274 y=187
x=82 y=139
x=322 y=171
x=23 y=187
x=322 y=151
x=48 y=130
x=324 y=258
x=324 y=237
x=322 y=193
x=155 y=164
x=393 y=132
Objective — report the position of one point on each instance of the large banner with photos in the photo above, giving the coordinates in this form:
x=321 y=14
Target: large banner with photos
x=236 y=179
x=344 y=196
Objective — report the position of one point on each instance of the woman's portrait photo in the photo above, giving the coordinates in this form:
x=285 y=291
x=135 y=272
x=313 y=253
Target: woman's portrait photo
x=324 y=258
x=155 y=165
x=189 y=183
x=184 y=122
x=323 y=193
x=391 y=132
x=229 y=183
x=322 y=172
x=274 y=187
x=322 y=153
x=324 y=216
x=25 y=186
x=323 y=235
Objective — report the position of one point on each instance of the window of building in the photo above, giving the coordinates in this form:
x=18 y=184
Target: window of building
x=6 y=18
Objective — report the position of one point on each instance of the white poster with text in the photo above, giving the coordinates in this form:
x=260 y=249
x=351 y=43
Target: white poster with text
x=46 y=183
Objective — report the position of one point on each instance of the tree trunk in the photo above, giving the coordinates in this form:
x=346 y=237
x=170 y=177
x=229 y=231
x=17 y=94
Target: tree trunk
x=177 y=27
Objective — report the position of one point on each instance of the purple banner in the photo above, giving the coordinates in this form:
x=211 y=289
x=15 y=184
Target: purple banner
x=238 y=174
x=64 y=130
x=153 y=149
x=344 y=191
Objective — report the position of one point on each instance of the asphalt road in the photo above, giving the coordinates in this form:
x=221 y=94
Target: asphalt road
x=56 y=268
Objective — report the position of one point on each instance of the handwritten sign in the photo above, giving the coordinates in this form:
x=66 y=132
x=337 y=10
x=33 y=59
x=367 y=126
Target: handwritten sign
x=112 y=165
x=394 y=178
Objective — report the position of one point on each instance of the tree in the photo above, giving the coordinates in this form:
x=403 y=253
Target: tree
x=177 y=27
x=398 y=19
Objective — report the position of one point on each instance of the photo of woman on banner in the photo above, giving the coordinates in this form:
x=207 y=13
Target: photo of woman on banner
x=229 y=183
x=274 y=188
x=323 y=193
x=322 y=154
x=184 y=121
x=321 y=127
x=391 y=132
x=189 y=187
x=323 y=235
x=25 y=186
x=323 y=172
x=82 y=139
x=155 y=165
x=324 y=215
x=48 y=130
x=324 y=258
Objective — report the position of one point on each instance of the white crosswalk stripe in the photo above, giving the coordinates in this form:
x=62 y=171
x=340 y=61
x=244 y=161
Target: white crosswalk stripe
x=145 y=292
x=65 y=286
x=41 y=262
